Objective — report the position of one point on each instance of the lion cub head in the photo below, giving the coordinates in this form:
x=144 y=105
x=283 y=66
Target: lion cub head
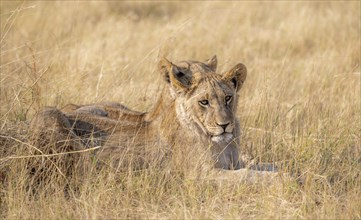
x=205 y=100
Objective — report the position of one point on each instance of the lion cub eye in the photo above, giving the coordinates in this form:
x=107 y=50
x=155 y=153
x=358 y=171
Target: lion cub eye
x=204 y=102
x=228 y=99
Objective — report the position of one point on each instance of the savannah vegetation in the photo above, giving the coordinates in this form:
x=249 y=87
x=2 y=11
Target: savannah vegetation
x=300 y=105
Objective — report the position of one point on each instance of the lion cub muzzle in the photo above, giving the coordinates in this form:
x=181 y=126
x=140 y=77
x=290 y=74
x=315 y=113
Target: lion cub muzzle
x=219 y=129
x=224 y=132
x=225 y=127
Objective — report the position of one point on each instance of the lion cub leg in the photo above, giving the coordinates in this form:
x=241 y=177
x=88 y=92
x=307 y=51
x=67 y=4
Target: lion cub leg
x=51 y=150
x=51 y=127
x=110 y=110
x=93 y=109
x=245 y=176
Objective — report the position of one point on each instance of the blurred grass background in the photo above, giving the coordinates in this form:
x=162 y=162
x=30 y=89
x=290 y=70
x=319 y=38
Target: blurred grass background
x=300 y=104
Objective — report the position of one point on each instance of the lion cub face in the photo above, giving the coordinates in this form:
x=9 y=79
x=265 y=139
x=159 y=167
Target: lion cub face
x=205 y=100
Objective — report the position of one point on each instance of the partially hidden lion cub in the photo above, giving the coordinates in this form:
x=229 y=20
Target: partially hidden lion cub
x=193 y=125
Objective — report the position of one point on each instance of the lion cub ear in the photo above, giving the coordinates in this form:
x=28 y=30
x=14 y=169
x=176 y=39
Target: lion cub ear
x=174 y=75
x=212 y=63
x=164 y=67
x=237 y=75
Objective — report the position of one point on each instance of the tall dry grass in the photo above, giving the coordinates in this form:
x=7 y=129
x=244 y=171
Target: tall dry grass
x=300 y=105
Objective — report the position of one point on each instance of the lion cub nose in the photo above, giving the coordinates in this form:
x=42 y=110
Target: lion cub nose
x=224 y=126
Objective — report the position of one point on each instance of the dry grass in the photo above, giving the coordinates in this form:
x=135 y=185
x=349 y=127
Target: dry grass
x=300 y=105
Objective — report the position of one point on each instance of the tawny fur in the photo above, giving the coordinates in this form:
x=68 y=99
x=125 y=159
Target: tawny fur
x=182 y=131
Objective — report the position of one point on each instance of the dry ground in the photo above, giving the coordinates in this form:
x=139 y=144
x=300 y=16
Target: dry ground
x=300 y=104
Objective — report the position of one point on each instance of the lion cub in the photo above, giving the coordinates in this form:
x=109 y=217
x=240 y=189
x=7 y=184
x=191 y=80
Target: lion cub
x=193 y=125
